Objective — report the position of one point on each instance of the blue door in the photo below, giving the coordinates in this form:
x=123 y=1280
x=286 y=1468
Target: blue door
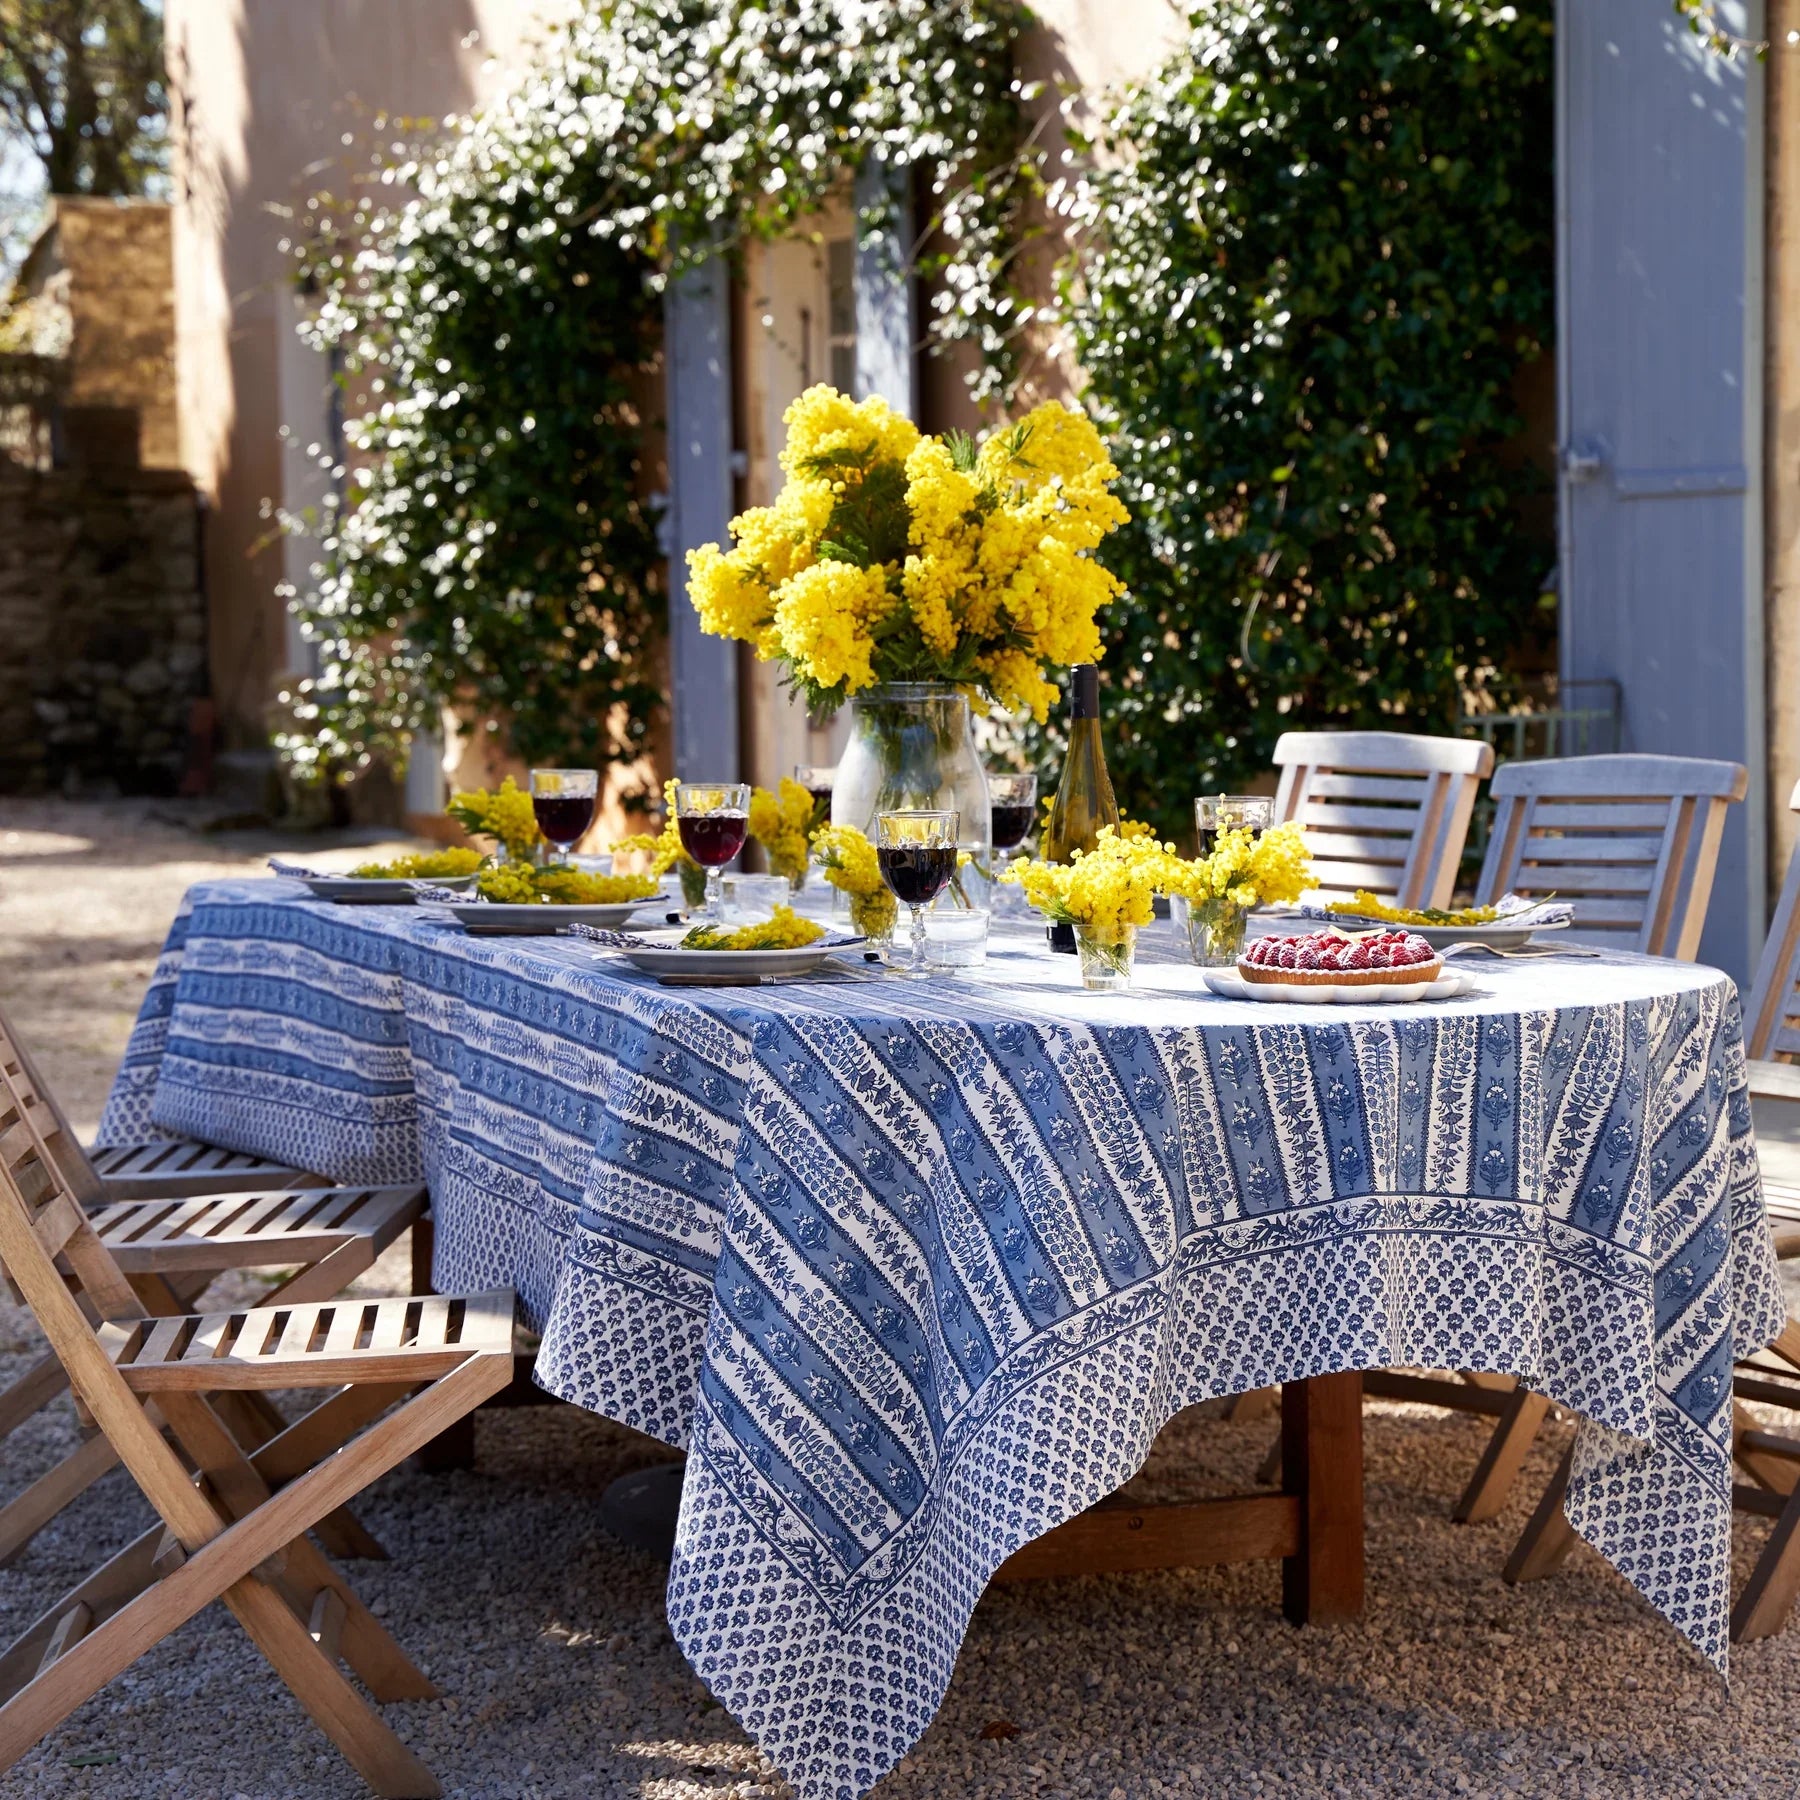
x=1659 y=173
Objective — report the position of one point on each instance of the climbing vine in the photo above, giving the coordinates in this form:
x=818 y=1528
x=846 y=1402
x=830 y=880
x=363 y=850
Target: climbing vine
x=492 y=547
x=1316 y=253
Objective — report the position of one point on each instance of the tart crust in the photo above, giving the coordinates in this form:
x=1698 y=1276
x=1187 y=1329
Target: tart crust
x=1404 y=976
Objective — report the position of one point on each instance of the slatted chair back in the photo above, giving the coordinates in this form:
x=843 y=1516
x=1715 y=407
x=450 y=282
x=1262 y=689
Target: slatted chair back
x=1382 y=810
x=1772 y=1016
x=60 y=1139
x=1632 y=842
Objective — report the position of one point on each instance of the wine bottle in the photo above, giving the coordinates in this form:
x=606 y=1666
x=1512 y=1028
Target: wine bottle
x=1084 y=797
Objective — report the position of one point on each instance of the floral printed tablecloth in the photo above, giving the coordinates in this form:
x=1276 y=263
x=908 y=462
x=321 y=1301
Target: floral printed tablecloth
x=916 y=1271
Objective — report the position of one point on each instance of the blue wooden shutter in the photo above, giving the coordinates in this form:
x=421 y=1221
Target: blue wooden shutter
x=702 y=669
x=887 y=324
x=1659 y=343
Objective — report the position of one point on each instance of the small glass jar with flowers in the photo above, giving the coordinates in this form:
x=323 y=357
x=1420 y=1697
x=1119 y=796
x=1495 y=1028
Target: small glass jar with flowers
x=780 y=822
x=664 y=851
x=1108 y=894
x=1246 y=869
x=849 y=863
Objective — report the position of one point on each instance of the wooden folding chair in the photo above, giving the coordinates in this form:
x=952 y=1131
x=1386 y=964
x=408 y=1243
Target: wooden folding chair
x=1771 y=1377
x=170 y=1250
x=179 y=1166
x=1633 y=842
x=233 y=1528
x=1382 y=810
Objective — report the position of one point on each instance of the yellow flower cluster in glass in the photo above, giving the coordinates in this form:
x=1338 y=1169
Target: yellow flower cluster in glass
x=1115 y=884
x=786 y=930
x=504 y=814
x=779 y=822
x=852 y=867
x=662 y=847
x=890 y=556
x=1246 y=869
x=1103 y=890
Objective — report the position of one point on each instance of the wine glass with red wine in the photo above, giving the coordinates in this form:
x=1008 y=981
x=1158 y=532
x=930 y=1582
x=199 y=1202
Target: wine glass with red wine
x=818 y=782
x=564 y=801
x=1012 y=806
x=917 y=853
x=713 y=818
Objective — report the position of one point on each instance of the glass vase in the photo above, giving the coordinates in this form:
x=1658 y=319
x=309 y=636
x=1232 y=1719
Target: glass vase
x=911 y=750
x=1215 y=933
x=1106 y=961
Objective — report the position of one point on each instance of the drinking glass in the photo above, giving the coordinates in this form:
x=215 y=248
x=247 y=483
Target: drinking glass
x=712 y=818
x=917 y=853
x=818 y=782
x=1214 y=813
x=1012 y=806
x=564 y=801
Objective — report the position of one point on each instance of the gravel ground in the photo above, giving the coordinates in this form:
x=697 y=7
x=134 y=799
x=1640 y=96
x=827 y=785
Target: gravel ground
x=561 y=1679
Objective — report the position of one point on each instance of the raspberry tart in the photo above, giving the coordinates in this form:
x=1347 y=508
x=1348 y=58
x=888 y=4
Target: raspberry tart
x=1341 y=959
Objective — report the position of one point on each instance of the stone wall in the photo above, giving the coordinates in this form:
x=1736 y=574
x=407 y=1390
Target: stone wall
x=102 y=628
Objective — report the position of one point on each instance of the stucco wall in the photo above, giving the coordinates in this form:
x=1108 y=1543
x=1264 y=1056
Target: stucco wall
x=275 y=101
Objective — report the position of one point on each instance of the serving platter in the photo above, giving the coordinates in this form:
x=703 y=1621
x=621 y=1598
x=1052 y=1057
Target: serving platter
x=1228 y=984
x=660 y=954
x=491 y=918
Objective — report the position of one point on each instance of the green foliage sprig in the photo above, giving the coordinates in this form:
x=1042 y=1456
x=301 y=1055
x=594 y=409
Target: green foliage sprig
x=492 y=549
x=1317 y=252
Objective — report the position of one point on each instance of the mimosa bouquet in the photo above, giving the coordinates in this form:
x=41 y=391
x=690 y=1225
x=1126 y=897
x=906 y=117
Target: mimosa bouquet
x=1246 y=869
x=504 y=814
x=780 y=822
x=665 y=852
x=894 y=557
x=852 y=867
x=1106 y=893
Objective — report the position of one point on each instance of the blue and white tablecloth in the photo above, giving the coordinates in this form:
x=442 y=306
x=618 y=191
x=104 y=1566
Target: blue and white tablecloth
x=917 y=1271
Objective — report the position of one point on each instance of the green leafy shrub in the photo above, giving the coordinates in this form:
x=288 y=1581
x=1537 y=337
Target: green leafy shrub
x=1316 y=251
x=492 y=549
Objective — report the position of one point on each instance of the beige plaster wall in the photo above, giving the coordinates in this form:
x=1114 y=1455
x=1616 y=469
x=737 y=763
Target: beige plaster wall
x=275 y=100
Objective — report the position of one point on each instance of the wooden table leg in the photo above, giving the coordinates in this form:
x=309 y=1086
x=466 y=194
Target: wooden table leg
x=1321 y=1466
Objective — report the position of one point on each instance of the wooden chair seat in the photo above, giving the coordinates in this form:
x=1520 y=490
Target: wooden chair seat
x=185 y=1166
x=239 y=1497
x=325 y=1345
x=288 y=1226
x=169 y=1249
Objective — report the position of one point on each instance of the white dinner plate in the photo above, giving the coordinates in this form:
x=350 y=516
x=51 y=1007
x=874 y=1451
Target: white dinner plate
x=491 y=918
x=661 y=955
x=379 y=890
x=1228 y=984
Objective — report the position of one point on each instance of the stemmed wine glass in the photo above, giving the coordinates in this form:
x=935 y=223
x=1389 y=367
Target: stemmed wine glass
x=1012 y=805
x=564 y=801
x=917 y=853
x=712 y=818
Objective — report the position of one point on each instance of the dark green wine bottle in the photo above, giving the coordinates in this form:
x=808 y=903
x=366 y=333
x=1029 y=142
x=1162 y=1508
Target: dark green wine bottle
x=1084 y=798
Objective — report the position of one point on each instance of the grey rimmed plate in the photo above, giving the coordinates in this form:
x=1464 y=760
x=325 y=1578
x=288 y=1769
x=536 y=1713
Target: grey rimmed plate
x=1228 y=984
x=661 y=955
x=490 y=918
x=380 y=890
